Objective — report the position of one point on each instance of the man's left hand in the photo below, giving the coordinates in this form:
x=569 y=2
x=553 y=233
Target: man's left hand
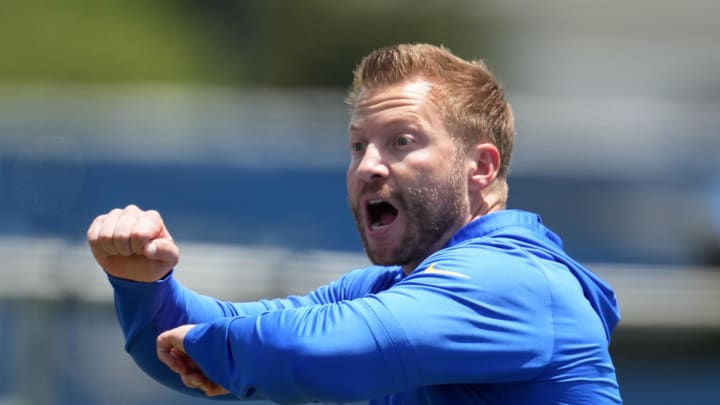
x=170 y=350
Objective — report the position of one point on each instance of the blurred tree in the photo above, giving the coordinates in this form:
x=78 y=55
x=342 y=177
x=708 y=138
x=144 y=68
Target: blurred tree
x=101 y=41
x=318 y=42
x=265 y=43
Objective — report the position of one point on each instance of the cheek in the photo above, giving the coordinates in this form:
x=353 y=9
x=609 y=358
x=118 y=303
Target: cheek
x=352 y=168
x=350 y=181
x=354 y=178
x=428 y=173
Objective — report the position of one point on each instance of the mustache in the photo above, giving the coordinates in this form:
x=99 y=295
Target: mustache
x=382 y=190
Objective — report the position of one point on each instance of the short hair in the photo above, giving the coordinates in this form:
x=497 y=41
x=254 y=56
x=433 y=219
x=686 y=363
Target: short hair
x=471 y=100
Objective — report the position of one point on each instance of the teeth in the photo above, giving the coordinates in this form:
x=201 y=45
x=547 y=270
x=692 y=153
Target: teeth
x=375 y=202
x=376 y=226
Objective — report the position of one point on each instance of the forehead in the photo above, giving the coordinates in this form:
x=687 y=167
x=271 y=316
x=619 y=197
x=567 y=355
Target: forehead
x=405 y=101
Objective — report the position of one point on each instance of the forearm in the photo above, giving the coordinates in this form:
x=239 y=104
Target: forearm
x=163 y=305
x=323 y=352
x=145 y=310
x=379 y=344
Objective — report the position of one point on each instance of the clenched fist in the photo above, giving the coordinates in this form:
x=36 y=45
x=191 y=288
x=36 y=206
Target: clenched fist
x=133 y=244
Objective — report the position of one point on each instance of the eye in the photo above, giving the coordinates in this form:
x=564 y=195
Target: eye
x=404 y=140
x=357 y=147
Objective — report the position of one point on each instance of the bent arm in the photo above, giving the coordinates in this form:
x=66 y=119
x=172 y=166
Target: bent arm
x=145 y=310
x=428 y=329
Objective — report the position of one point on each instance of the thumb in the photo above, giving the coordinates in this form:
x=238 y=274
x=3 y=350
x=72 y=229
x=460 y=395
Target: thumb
x=163 y=250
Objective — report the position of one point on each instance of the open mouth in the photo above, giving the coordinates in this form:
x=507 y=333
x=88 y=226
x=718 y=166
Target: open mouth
x=380 y=214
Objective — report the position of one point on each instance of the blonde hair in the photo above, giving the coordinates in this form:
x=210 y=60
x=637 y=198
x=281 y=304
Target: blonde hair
x=471 y=100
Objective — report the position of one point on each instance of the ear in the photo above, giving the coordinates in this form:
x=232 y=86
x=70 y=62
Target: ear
x=484 y=160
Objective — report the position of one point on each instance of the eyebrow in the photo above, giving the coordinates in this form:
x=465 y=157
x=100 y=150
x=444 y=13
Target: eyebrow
x=410 y=120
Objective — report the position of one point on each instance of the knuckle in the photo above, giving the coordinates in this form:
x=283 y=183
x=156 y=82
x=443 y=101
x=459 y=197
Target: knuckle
x=122 y=233
x=95 y=225
x=138 y=235
x=90 y=233
x=121 y=247
x=187 y=381
x=105 y=237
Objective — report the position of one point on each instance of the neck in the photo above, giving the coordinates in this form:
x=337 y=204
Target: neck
x=482 y=210
x=439 y=244
x=483 y=205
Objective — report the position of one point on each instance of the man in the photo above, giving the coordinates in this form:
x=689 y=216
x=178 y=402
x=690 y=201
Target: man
x=468 y=302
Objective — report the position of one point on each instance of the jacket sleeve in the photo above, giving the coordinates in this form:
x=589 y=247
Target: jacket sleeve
x=145 y=310
x=433 y=327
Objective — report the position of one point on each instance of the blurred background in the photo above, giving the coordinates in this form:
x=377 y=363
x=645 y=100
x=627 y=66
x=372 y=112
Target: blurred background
x=228 y=118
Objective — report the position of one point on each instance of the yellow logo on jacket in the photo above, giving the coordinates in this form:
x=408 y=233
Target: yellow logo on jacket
x=431 y=269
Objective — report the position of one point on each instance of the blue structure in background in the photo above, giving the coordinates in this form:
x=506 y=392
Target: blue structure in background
x=306 y=208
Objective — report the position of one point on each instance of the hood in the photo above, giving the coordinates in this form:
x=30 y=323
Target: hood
x=599 y=293
x=527 y=227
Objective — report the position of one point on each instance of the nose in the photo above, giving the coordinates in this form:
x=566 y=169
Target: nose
x=371 y=165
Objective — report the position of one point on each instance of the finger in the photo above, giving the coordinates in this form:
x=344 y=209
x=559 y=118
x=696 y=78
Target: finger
x=166 y=358
x=200 y=381
x=123 y=227
x=195 y=379
x=183 y=357
x=107 y=231
x=212 y=389
x=148 y=227
x=94 y=228
x=183 y=362
x=167 y=349
x=93 y=233
x=163 y=250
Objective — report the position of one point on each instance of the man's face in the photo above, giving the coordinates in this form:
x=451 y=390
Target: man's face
x=407 y=182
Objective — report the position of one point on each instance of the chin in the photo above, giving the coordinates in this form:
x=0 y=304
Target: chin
x=381 y=258
x=386 y=258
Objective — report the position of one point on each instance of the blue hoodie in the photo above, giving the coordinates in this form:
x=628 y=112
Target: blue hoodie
x=501 y=315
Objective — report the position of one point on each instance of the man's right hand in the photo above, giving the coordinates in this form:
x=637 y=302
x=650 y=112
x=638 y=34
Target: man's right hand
x=133 y=244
